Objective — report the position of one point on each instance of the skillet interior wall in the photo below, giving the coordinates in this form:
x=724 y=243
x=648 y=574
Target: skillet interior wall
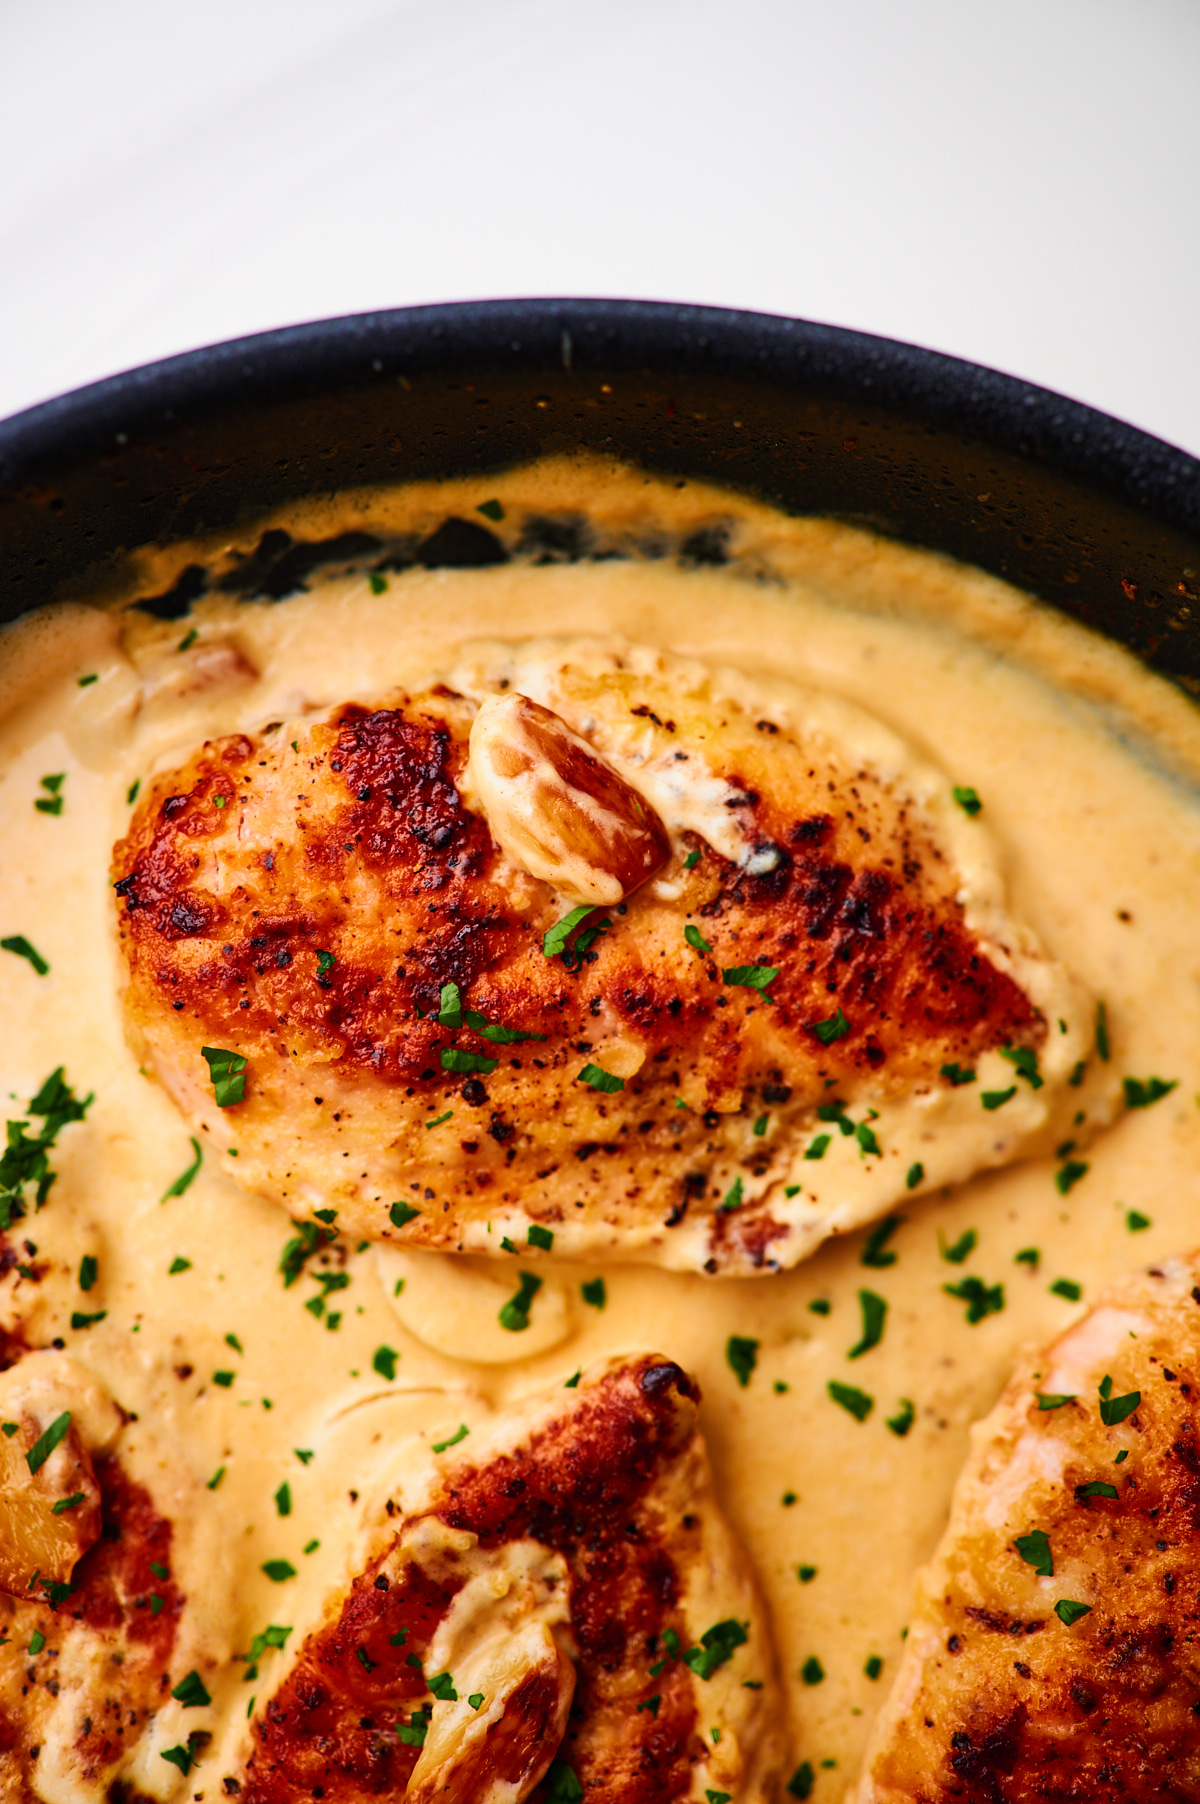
x=1071 y=506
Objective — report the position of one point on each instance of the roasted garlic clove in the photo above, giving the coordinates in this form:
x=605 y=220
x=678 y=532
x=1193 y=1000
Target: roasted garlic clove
x=557 y=808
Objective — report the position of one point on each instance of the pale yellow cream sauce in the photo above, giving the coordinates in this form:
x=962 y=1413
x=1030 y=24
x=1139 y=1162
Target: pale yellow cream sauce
x=1085 y=764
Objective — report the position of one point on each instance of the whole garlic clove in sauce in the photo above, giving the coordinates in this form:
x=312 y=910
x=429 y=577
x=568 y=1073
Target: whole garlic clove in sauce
x=557 y=808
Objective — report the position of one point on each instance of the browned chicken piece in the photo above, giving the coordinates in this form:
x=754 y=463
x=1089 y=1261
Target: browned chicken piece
x=87 y=1638
x=1054 y=1652
x=362 y=907
x=557 y=1610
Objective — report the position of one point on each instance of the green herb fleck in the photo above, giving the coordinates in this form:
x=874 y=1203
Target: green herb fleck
x=131 y=794
x=874 y=1315
x=1102 y=1042
x=185 y=1179
x=16 y=942
x=820 y=1306
x=873 y=1666
x=378 y=582
x=515 y=1314
x=806 y=1574
x=453 y=1059
x=1115 y=1409
x=283 y=1499
x=542 y=1238
x=384 y=1362
x=1135 y=1221
x=753 y=977
x=413 y=1732
x=876 y=1252
x=278 y=1570
x=717 y=1645
x=216 y=1478
x=441 y=1684
x=1139 y=1092
x=600 y=1080
x=962 y=1248
x=1053 y=1399
x=89 y=1271
x=802 y=1780
x=227 y=1070
x=741 y=1355
x=1026 y=1061
x=812 y=1672
x=760 y=1126
x=67 y=1503
x=996 y=1099
x=732 y=1198
x=572 y=1383
x=190 y=1692
x=491 y=510
x=475 y=1699
x=1029 y=1256
x=981 y=1299
x=855 y=1401
x=594 y=1291
x=1068 y=1611
x=45 y=1444
x=958 y=1074
x=554 y=942
x=224 y=1379
x=440 y=1120
x=178 y=1264
x=695 y=939
x=564 y=1785
x=460 y=1434
x=1034 y=1549
x=835 y=1028
x=903 y=1419
x=818 y=1147
x=914 y=1175
x=1095 y=1488
x=967 y=798
x=400 y=1214
x=691 y=861
x=85 y=682
x=1068 y=1175
x=185 y=1757
x=1067 y=1287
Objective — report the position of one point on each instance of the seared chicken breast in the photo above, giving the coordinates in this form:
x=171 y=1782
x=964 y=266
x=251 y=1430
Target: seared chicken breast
x=556 y=1609
x=1054 y=1651
x=593 y=948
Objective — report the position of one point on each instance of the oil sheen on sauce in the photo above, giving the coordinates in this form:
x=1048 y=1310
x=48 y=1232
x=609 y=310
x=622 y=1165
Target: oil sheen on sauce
x=1087 y=769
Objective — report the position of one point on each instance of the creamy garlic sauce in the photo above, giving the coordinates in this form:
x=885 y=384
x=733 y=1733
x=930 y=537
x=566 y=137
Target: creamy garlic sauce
x=1086 y=766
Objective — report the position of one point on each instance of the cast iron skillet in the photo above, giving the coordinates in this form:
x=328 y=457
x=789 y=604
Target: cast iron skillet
x=1069 y=504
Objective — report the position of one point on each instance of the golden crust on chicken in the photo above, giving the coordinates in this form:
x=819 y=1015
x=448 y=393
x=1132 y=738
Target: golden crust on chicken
x=560 y=1612
x=818 y=1001
x=1055 y=1648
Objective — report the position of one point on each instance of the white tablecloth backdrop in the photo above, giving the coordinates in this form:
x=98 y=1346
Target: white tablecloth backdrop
x=1018 y=184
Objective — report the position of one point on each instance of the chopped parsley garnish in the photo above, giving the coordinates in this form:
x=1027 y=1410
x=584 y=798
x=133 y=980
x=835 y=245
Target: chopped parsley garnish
x=9 y=1428
x=1096 y=1487
x=873 y=1666
x=304 y=1454
x=594 y=1291
x=80 y=1320
x=1116 y=1409
x=178 y=1264
x=806 y=1574
x=967 y=798
x=849 y=1398
x=835 y=1028
x=460 y=1434
x=37 y=1642
x=753 y=977
x=160 y=1571
x=131 y=794
x=600 y=1080
x=760 y=1126
x=788 y=1499
x=866 y=1139
x=16 y=942
x=914 y=1175
x=732 y=1198
x=440 y=1120
x=962 y=1248
x=185 y=1757
x=958 y=1074
x=378 y=582
x=1029 y=1256
x=554 y=942
x=476 y=1698
x=741 y=1356
x=364 y=1659
x=227 y=1070
x=1135 y=1221
x=564 y=1785
x=802 y=1780
x=1054 y=1399
x=70 y=1503
x=454 y=1059
x=325 y=962
x=215 y=1480
x=874 y=1315
x=812 y=1672
x=903 y=1419
x=1068 y=1611
x=820 y=1306
x=996 y=1099
x=691 y=861
x=1102 y=1042
x=1123 y=1455
x=400 y=1214
x=384 y=1362
x=491 y=510
x=515 y=1314
x=413 y=1732
x=572 y=1383
x=184 y=1181
x=52 y=801
x=283 y=1499
x=542 y=1238
x=309 y=1239
x=188 y=640
x=278 y=1570
x=875 y=1252
x=717 y=1645
x=89 y=1271
x=981 y=1299
x=651 y=1704
x=1068 y=1175
x=506 y=1245
x=1034 y=1549
x=224 y=1379
x=1139 y=1092
x=818 y=1147
x=45 y=1444
x=1078 y=1073
x=190 y=1692
x=1026 y=1061
x=1066 y=1287
x=695 y=939
x=85 y=682
x=442 y=1685
x=718 y=1797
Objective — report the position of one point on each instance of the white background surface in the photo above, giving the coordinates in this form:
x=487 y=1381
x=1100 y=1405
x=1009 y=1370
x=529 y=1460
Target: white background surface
x=1018 y=184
